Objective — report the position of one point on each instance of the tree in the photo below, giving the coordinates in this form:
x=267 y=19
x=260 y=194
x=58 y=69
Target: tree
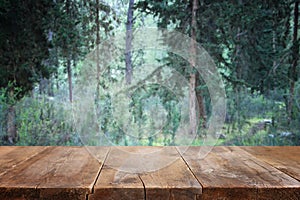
x=183 y=17
x=24 y=50
x=68 y=37
x=295 y=56
x=192 y=85
x=128 y=56
x=97 y=21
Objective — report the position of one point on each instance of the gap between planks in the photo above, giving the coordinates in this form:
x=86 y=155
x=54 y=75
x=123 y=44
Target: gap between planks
x=188 y=166
x=145 y=191
x=98 y=174
x=279 y=160
x=265 y=162
x=234 y=154
x=146 y=185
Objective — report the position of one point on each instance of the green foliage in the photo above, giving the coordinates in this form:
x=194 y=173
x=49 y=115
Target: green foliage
x=42 y=121
x=23 y=45
x=250 y=42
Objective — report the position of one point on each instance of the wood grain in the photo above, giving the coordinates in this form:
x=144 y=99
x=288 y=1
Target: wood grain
x=126 y=173
x=55 y=173
x=160 y=174
x=113 y=184
x=173 y=181
x=286 y=159
x=231 y=173
x=11 y=157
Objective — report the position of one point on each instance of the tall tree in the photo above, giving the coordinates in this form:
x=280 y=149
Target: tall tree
x=295 y=56
x=182 y=16
x=192 y=85
x=97 y=20
x=201 y=117
x=128 y=56
x=68 y=38
x=67 y=50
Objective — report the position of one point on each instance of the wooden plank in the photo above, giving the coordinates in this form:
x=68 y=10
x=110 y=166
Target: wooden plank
x=117 y=184
x=113 y=184
x=172 y=180
x=231 y=173
x=225 y=173
x=11 y=156
x=284 y=158
x=56 y=173
x=170 y=177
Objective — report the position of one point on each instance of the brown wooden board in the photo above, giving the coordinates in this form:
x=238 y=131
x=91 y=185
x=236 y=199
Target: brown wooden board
x=160 y=174
x=149 y=173
x=11 y=157
x=172 y=180
x=231 y=173
x=55 y=173
x=286 y=159
x=114 y=184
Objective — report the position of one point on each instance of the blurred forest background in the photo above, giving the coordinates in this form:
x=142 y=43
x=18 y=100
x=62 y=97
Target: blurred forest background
x=254 y=44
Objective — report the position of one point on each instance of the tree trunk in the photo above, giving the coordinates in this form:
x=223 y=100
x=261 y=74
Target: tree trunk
x=200 y=100
x=238 y=74
x=11 y=122
x=237 y=87
x=11 y=125
x=293 y=69
x=69 y=71
x=274 y=48
x=97 y=50
x=50 y=90
x=128 y=55
x=68 y=54
x=192 y=110
x=192 y=85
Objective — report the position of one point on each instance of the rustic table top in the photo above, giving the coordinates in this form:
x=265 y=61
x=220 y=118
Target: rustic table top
x=176 y=173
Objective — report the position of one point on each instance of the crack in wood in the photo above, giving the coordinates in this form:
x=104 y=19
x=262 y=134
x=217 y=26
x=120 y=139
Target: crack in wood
x=145 y=191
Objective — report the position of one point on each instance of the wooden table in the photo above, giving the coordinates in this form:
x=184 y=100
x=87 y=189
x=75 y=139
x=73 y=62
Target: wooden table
x=91 y=173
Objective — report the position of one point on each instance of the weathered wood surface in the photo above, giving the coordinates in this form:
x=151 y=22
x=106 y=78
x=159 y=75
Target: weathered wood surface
x=9 y=157
x=117 y=184
x=54 y=173
x=170 y=179
x=232 y=173
x=173 y=173
x=286 y=159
